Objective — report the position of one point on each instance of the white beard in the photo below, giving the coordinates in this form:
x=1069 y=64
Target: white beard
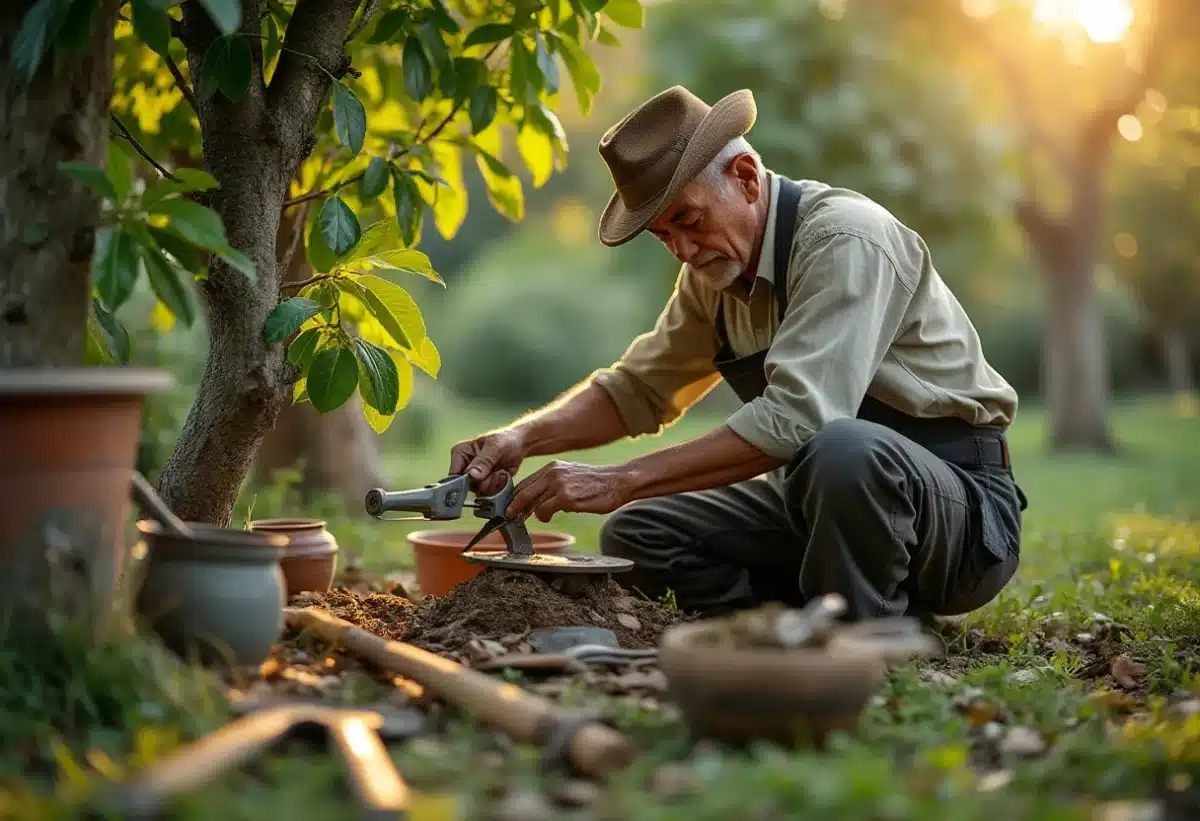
x=720 y=273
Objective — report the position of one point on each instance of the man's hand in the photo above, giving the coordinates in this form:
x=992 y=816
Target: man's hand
x=571 y=488
x=488 y=459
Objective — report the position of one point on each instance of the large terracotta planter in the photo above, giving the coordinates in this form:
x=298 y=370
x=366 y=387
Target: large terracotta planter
x=309 y=561
x=68 y=445
x=440 y=565
x=217 y=597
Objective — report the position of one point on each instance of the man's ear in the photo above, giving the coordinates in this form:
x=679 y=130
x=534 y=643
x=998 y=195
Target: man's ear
x=745 y=171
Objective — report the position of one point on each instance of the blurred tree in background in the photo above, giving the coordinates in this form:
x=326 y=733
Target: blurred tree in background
x=840 y=100
x=1071 y=76
x=1156 y=234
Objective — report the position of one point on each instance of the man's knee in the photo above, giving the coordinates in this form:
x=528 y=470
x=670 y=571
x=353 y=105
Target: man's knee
x=842 y=455
x=624 y=531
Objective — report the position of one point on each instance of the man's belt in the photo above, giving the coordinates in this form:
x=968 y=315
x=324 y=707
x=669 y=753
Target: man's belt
x=984 y=450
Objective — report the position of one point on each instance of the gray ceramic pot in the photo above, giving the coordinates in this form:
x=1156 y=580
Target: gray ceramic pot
x=218 y=597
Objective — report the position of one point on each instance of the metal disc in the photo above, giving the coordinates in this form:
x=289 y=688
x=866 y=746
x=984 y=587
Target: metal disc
x=550 y=563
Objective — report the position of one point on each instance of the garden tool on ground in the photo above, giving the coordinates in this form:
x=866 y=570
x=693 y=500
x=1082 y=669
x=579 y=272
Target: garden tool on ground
x=446 y=499
x=569 y=649
x=357 y=734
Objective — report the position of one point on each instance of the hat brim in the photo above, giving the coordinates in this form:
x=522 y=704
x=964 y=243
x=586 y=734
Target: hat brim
x=730 y=117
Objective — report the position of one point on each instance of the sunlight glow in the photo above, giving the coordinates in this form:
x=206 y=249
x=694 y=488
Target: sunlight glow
x=1104 y=21
x=1130 y=128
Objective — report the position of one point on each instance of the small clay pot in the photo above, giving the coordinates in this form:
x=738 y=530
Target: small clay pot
x=440 y=566
x=310 y=559
x=219 y=595
x=788 y=697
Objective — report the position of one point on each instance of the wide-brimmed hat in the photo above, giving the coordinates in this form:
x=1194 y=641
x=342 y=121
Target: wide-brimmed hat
x=659 y=148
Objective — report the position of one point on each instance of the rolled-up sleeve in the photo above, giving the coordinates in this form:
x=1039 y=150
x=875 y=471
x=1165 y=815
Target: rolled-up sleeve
x=667 y=370
x=846 y=303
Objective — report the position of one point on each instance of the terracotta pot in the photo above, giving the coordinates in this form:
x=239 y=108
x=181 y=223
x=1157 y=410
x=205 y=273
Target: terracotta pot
x=218 y=597
x=439 y=565
x=68 y=446
x=793 y=697
x=310 y=559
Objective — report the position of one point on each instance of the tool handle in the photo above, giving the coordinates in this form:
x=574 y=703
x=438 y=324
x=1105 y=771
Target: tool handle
x=595 y=749
x=152 y=504
x=439 y=501
x=197 y=763
x=373 y=774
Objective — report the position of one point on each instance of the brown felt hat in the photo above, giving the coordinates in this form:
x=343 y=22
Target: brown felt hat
x=659 y=148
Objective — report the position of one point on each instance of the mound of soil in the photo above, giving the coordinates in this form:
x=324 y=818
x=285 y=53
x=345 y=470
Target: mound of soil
x=498 y=604
x=501 y=606
x=381 y=613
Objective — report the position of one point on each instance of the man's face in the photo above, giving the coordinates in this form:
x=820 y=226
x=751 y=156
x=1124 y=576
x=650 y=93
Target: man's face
x=716 y=229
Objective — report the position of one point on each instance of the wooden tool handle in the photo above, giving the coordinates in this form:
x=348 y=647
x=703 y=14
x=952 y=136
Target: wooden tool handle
x=594 y=750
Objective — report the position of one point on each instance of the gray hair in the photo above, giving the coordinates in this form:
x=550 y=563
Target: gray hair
x=714 y=172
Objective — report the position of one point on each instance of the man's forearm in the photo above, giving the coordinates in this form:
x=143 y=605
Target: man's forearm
x=712 y=460
x=583 y=418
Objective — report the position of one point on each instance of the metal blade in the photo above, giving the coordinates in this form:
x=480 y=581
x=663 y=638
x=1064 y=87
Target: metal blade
x=490 y=527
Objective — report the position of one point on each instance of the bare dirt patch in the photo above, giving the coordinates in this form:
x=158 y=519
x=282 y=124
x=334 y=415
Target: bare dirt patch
x=502 y=606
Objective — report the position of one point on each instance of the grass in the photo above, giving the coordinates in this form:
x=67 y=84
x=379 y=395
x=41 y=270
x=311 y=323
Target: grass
x=1110 y=568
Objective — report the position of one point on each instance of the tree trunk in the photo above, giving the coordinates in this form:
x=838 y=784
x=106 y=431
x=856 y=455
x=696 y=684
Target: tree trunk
x=1076 y=363
x=338 y=450
x=1177 y=357
x=253 y=148
x=48 y=221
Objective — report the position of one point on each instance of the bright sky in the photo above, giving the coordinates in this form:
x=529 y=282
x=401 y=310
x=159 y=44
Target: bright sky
x=1105 y=21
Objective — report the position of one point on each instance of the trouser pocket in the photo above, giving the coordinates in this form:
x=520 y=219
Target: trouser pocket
x=991 y=549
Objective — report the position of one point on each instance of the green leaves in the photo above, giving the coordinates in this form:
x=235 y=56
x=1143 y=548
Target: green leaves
x=378 y=381
x=115 y=266
x=332 y=378
x=226 y=67
x=339 y=226
x=585 y=78
x=304 y=347
x=627 y=13
x=287 y=317
x=91 y=176
x=482 y=107
x=488 y=33
x=152 y=25
x=168 y=285
x=349 y=118
x=390 y=305
x=225 y=14
x=34 y=38
x=409 y=206
x=389 y=25
x=418 y=73
x=375 y=179
x=197 y=224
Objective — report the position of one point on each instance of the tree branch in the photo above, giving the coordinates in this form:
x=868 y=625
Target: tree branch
x=184 y=85
x=418 y=140
x=323 y=192
x=287 y=286
x=368 y=12
x=1021 y=95
x=297 y=234
x=139 y=149
x=312 y=53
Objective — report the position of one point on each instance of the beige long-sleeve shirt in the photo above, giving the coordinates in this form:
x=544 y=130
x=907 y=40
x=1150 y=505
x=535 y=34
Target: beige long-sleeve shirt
x=867 y=313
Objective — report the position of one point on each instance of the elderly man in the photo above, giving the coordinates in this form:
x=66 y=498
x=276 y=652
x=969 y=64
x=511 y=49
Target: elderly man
x=869 y=455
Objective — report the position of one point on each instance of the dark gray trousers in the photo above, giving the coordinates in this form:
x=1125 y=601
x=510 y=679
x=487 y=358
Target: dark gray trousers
x=861 y=511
